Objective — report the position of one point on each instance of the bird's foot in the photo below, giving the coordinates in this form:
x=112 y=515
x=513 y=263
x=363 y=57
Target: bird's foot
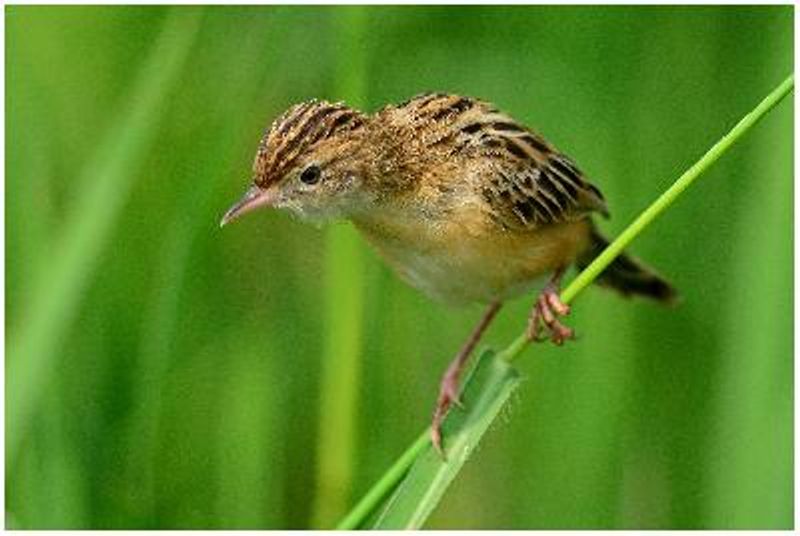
x=544 y=316
x=448 y=396
x=449 y=387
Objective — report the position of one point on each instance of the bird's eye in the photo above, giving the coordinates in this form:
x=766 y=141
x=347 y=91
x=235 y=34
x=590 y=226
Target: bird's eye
x=310 y=175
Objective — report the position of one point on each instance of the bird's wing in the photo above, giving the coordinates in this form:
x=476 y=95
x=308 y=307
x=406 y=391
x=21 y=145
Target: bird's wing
x=528 y=182
x=524 y=180
x=531 y=184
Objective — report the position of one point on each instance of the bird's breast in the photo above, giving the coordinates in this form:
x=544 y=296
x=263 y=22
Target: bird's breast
x=466 y=257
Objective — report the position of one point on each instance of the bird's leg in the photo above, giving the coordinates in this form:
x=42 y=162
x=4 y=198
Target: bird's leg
x=546 y=310
x=449 y=387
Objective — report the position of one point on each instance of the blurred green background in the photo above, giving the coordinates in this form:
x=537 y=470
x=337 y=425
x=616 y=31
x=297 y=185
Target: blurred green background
x=164 y=373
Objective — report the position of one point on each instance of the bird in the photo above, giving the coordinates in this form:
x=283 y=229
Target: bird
x=465 y=203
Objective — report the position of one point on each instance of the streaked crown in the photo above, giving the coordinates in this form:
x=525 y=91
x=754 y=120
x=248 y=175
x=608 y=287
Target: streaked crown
x=297 y=132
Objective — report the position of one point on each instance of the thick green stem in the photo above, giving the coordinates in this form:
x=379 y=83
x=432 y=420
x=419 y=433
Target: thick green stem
x=395 y=474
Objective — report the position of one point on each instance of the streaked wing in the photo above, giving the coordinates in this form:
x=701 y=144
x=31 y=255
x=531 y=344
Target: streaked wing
x=525 y=181
x=524 y=190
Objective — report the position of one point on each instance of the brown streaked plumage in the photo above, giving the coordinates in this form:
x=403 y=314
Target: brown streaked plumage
x=464 y=202
x=294 y=133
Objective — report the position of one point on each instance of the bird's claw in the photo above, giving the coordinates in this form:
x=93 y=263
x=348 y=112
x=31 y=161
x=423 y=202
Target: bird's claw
x=448 y=396
x=545 y=313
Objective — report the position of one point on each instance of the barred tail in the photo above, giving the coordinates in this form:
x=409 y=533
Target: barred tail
x=627 y=275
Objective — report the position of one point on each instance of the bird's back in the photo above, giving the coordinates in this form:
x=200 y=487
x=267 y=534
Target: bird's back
x=463 y=144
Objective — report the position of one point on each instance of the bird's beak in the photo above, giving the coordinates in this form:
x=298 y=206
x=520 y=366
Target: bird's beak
x=254 y=198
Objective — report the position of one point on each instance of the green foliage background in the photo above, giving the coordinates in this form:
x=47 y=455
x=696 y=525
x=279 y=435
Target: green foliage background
x=162 y=373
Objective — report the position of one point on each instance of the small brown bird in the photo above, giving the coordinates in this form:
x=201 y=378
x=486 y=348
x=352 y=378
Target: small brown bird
x=465 y=203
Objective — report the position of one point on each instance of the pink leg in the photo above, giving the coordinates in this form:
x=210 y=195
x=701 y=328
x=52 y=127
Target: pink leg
x=546 y=310
x=449 y=388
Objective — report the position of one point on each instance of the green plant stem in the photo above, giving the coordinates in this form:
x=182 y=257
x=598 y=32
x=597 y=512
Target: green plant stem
x=591 y=272
x=386 y=484
x=399 y=469
x=487 y=388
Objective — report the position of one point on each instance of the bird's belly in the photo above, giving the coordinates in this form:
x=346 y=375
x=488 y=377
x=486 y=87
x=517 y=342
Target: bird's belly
x=462 y=279
x=460 y=267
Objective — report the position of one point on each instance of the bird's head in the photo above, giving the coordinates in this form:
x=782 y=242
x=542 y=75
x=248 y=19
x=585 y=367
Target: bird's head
x=310 y=162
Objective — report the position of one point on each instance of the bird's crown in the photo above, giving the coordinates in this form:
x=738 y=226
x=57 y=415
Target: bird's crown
x=298 y=131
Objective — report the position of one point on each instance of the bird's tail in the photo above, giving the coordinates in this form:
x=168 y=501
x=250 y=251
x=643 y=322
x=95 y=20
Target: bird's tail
x=627 y=275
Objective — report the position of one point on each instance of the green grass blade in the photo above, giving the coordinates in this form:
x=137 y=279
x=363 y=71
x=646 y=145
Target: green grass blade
x=108 y=178
x=388 y=482
x=484 y=395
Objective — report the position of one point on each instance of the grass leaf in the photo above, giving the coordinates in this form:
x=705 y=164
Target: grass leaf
x=485 y=393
